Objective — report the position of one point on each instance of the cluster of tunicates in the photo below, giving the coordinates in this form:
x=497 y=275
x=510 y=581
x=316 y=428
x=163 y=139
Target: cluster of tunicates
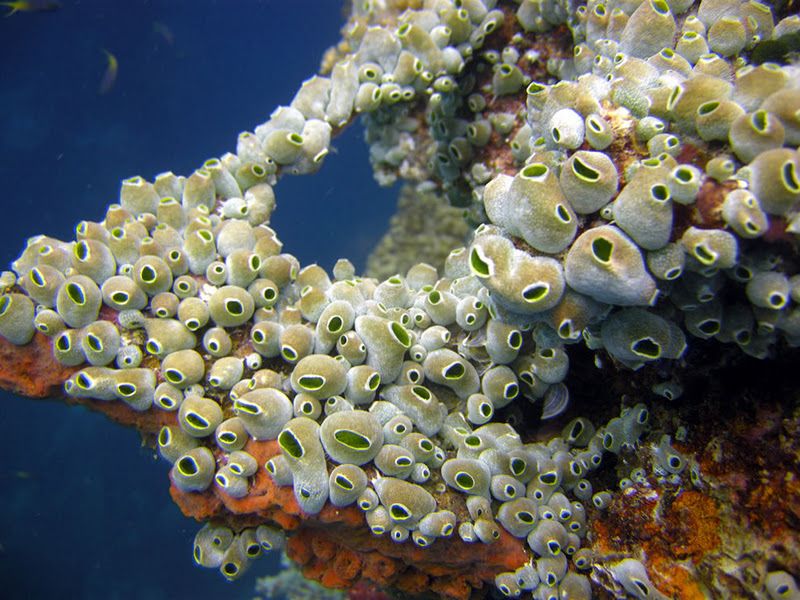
x=386 y=394
x=604 y=238
x=218 y=547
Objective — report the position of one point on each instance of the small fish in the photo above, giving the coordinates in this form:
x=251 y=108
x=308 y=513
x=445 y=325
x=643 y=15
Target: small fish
x=164 y=31
x=31 y=6
x=110 y=76
x=22 y=474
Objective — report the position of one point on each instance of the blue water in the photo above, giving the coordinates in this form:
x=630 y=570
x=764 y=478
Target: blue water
x=84 y=509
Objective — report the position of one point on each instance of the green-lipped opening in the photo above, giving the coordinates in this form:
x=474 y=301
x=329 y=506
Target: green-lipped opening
x=95 y=343
x=659 y=192
x=75 y=293
x=709 y=326
x=510 y=391
x=523 y=516
x=759 y=120
x=464 y=480
x=473 y=441
x=647 y=348
x=453 y=371
x=535 y=170
x=535 y=88
x=373 y=382
x=403 y=461
x=248 y=408
x=258 y=336
x=253 y=550
x=344 y=483
x=535 y=292
x=707 y=108
x=148 y=274
x=684 y=175
x=399 y=512
x=168 y=403
x=400 y=334
x=352 y=439
x=335 y=324
x=83 y=381
x=547 y=353
x=480 y=267
x=400 y=428
x=228 y=437
x=63 y=343
x=234 y=307
x=196 y=420
x=288 y=353
x=789 y=177
x=644 y=589
x=188 y=466
x=674 y=96
x=548 y=478
x=421 y=392
x=595 y=125
x=518 y=466
x=704 y=254
x=576 y=431
x=174 y=376
x=584 y=172
x=164 y=437
x=82 y=251
x=514 y=340
x=486 y=409
x=426 y=445
x=36 y=277
x=290 y=444
x=311 y=383
x=777 y=301
x=660 y=6
x=602 y=249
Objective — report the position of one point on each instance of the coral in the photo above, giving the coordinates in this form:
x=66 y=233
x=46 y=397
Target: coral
x=422 y=226
x=630 y=209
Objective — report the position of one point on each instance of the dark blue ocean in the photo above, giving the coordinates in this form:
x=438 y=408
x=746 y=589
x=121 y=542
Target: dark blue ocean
x=84 y=509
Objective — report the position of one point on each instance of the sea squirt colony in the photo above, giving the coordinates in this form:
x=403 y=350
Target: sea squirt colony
x=383 y=393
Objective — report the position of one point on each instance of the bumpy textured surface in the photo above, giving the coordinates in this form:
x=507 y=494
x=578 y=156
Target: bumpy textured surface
x=629 y=177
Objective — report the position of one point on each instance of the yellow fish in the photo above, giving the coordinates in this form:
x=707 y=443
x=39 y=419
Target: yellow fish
x=110 y=76
x=31 y=6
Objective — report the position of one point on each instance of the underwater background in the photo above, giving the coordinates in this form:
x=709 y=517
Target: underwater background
x=84 y=511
